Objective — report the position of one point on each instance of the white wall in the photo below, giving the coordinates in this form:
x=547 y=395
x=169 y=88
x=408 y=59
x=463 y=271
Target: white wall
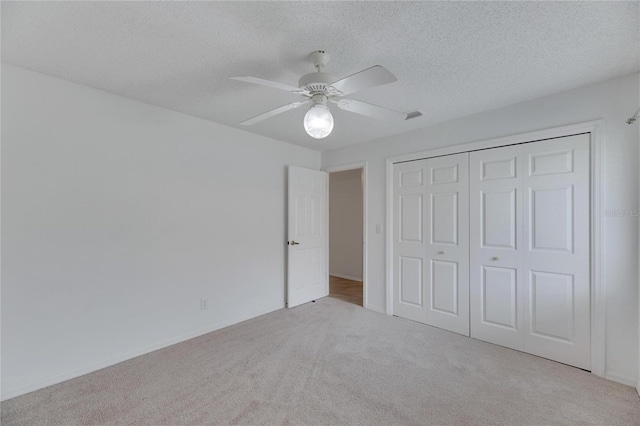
x=345 y=224
x=638 y=380
x=614 y=100
x=118 y=217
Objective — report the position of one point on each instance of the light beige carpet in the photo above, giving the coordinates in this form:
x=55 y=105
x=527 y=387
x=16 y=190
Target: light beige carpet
x=328 y=363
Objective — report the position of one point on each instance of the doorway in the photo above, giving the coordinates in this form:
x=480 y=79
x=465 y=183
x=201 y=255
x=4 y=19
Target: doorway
x=346 y=235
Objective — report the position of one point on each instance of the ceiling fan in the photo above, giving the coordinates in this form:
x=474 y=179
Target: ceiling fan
x=320 y=87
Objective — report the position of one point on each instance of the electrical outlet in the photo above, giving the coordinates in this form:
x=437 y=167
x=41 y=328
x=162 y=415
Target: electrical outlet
x=203 y=304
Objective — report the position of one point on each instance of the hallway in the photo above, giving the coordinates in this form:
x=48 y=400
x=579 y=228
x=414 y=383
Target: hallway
x=347 y=290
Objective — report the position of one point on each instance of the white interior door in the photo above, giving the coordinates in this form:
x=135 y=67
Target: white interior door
x=431 y=249
x=307 y=273
x=530 y=287
x=447 y=243
x=409 y=244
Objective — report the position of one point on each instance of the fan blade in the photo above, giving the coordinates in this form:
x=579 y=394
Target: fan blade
x=369 y=110
x=374 y=76
x=269 y=83
x=273 y=112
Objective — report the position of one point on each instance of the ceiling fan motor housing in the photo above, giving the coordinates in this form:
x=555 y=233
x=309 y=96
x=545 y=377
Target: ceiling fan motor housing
x=317 y=82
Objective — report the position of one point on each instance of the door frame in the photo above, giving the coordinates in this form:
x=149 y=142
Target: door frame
x=596 y=128
x=365 y=220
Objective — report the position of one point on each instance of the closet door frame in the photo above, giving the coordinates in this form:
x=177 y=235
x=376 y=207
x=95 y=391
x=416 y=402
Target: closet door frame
x=597 y=286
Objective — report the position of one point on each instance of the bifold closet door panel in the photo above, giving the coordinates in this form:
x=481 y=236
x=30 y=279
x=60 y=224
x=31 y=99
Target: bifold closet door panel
x=496 y=274
x=556 y=243
x=529 y=248
x=409 y=244
x=447 y=243
x=431 y=241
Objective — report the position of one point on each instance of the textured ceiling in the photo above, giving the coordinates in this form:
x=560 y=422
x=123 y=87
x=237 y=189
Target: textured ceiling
x=451 y=58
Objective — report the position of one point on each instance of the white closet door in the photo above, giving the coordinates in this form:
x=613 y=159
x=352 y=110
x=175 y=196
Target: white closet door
x=556 y=240
x=496 y=275
x=530 y=287
x=409 y=245
x=431 y=242
x=447 y=245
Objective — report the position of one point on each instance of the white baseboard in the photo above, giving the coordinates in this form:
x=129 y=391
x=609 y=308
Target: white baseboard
x=620 y=378
x=59 y=378
x=346 y=277
x=375 y=309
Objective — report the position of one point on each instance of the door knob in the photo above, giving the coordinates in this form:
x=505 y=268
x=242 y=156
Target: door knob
x=293 y=243
x=495 y=258
x=441 y=252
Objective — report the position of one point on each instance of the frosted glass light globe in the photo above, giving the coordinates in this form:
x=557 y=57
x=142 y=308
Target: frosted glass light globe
x=318 y=121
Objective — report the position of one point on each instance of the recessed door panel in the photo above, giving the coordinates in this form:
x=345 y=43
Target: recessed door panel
x=548 y=163
x=552 y=305
x=498 y=169
x=411 y=178
x=296 y=277
x=498 y=218
x=444 y=218
x=444 y=287
x=499 y=297
x=444 y=174
x=300 y=214
x=552 y=212
x=316 y=267
x=411 y=218
x=411 y=283
x=316 y=216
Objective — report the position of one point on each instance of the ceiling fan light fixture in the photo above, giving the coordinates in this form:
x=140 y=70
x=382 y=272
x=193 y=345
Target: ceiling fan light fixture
x=318 y=121
x=320 y=87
